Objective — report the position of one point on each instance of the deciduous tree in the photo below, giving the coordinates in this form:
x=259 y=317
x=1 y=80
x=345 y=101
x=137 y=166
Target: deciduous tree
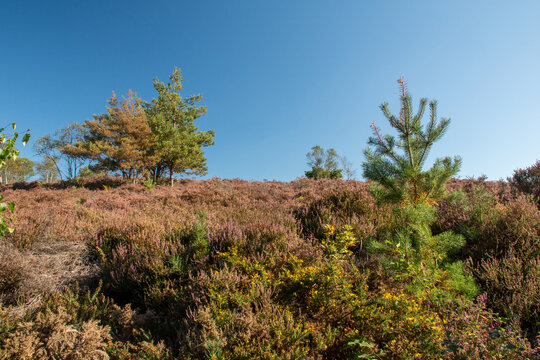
x=347 y=166
x=47 y=170
x=57 y=148
x=324 y=165
x=17 y=169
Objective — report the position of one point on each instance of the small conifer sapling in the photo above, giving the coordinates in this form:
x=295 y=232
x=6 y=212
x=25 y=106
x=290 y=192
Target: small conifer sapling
x=396 y=165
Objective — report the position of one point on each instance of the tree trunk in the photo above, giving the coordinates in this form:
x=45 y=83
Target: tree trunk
x=171 y=173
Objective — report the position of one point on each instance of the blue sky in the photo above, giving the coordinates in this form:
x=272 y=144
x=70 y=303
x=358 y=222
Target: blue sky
x=281 y=76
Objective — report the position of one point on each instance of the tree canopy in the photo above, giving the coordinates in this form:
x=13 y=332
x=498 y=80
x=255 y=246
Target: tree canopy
x=178 y=142
x=47 y=170
x=324 y=164
x=144 y=138
x=17 y=169
x=396 y=165
x=119 y=140
x=57 y=148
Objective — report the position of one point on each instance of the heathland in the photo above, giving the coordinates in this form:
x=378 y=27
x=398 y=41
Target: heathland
x=229 y=269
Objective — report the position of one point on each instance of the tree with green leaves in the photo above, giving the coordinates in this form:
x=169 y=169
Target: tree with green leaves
x=56 y=148
x=178 y=141
x=47 y=170
x=8 y=152
x=17 y=169
x=86 y=172
x=324 y=164
x=396 y=165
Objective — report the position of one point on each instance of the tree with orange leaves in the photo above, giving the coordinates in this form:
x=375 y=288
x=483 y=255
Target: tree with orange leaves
x=119 y=140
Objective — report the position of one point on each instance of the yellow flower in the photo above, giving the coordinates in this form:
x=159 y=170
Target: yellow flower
x=330 y=229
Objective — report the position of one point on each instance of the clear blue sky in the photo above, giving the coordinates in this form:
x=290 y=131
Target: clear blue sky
x=281 y=76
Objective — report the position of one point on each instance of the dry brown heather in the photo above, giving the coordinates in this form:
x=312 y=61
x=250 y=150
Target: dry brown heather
x=53 y=224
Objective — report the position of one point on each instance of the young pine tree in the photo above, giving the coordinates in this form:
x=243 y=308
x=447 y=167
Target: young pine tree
x=178 y=141
x=410 y=251
x=396 y=165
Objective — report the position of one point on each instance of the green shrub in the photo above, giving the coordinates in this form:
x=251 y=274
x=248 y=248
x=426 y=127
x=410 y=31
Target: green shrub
x=149 y=184
x=413 y=255
x=470 y=213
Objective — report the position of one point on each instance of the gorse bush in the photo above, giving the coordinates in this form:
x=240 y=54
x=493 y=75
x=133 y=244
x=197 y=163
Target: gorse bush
x=354 y=208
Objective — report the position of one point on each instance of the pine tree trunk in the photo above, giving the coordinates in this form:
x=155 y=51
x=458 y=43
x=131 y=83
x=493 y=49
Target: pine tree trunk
x=171 y=173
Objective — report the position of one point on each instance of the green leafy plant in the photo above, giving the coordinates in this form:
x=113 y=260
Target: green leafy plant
x=361 y=345
x=9 y=152
x=324 y=164
x=149 y=184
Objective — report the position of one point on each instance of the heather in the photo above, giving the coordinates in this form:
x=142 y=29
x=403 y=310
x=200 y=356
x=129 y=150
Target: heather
x=230 y=269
